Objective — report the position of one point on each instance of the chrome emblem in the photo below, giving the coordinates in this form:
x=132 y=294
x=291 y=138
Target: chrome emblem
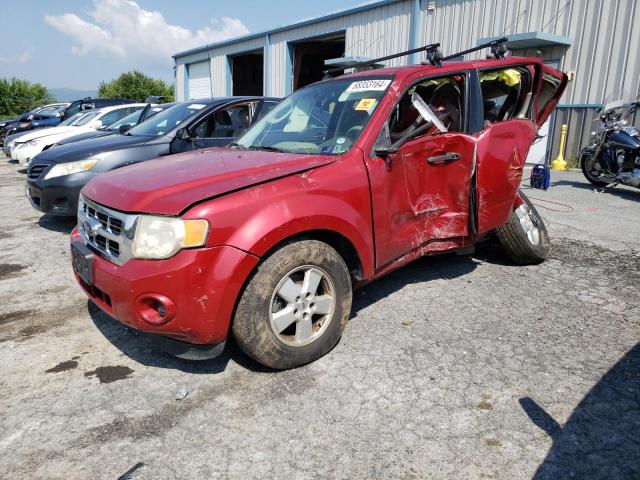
x=92 y=226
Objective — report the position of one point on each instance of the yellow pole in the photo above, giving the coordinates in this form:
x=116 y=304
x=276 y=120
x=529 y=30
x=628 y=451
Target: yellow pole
x=559 y=163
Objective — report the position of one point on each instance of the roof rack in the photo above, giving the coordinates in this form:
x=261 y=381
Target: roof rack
x=434 y=56
x=430 y=49
x=498 y=49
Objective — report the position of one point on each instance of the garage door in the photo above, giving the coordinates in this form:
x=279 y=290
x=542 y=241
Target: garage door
x=199 y=80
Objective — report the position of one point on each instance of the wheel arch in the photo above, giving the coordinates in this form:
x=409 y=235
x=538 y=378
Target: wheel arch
x=340 y=243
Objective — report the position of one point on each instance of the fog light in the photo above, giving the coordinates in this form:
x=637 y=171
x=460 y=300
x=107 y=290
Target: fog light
x=155 y=309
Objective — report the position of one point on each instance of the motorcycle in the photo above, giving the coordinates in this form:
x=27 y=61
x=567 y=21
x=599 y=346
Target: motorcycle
x=613 y=157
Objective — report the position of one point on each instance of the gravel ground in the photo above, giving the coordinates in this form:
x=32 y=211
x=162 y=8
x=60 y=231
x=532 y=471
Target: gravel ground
x=453 y=367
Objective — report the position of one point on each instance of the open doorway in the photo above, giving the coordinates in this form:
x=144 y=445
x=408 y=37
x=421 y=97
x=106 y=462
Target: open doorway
x=247 y=73
x=308 y=58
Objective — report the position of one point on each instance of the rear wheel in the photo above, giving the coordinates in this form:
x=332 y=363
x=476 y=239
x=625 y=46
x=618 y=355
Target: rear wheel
x=295 y=307
x=524 y=237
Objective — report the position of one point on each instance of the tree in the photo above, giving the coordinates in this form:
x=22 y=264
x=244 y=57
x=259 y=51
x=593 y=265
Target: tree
x=19 y=96
x=135 y=85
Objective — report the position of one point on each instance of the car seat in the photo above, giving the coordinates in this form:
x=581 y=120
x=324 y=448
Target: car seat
x=224 y=126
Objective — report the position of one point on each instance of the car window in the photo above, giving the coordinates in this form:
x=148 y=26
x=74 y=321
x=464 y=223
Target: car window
x=229 y=122
x=550 y=86
x=505 y=94
x=86 y=118
x=115 y=115
x=326 y=117
x=72 y=109
x=267 y=106
x=167 y=120
x=130 y=119
x=71 y=120
x=445 y=98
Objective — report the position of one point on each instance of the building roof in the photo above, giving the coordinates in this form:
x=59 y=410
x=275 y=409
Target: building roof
x=300 y=23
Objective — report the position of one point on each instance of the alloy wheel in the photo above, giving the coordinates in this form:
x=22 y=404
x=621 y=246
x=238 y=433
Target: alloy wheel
x=302 y=305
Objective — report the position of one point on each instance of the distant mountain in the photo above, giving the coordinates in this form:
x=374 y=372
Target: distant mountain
x=71 y=94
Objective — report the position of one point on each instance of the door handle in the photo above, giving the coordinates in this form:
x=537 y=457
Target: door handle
x=442 y=159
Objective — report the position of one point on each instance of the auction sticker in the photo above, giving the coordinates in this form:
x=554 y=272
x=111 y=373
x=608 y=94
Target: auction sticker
x=368 y=85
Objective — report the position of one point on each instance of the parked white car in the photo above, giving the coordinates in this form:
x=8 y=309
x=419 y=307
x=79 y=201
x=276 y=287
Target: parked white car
x=33 y=143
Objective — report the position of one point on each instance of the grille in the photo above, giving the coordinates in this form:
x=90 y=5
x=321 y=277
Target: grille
x=104 y=230
x=35 y=171
x=108 y=222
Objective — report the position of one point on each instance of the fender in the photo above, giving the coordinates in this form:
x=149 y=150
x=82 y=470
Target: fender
x=333 y=198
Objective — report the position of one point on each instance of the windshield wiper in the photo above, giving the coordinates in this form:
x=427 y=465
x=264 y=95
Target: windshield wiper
x=266 y=148
x=237 y=145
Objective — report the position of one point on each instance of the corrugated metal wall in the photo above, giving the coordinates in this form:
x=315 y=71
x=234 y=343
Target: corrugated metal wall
x=603 y=55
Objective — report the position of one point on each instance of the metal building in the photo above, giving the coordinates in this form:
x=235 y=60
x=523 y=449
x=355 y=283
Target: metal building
x=592 y=40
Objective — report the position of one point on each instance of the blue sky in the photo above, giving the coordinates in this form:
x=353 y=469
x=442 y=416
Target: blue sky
x=78 y=43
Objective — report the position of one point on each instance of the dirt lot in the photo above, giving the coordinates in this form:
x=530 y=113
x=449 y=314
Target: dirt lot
x=453 y=367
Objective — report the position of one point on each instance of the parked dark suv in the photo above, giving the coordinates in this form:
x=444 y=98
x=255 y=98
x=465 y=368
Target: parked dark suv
x=56 y=176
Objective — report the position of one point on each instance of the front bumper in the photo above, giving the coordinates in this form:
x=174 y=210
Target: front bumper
x=202 y=284
x=24 y=153
x=57 y=196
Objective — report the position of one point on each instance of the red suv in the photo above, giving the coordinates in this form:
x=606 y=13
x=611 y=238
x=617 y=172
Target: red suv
x=342 y=182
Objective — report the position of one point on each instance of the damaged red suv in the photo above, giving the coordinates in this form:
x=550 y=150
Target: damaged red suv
x=344 y=181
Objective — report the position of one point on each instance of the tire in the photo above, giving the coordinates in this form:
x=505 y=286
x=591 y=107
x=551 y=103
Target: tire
x=277 y=293
x=524 y=237
x=585 y=156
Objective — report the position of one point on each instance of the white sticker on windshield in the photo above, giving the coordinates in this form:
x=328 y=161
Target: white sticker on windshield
x=368 y=85
x=196 y=106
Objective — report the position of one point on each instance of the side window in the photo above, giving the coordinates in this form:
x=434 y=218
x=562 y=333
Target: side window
x=444 y=96
x=267 y=106
x=506 y=94
x=229 y=122
x=550 y=86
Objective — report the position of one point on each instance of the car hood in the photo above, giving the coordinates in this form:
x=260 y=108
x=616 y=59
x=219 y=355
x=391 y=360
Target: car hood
x=46 y=132
x=84 y=149
x=84 y=136
x=171 y=185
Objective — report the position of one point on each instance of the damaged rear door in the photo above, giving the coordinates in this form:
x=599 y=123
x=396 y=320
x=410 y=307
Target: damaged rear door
x=513 y=109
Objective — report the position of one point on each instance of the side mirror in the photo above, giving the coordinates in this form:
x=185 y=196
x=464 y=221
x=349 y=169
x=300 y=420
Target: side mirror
x=124 y=128
x=383 y=151
x=183 y=134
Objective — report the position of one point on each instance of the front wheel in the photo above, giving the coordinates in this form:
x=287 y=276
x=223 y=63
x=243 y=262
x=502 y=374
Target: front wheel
x=524 y=237
x=295 y=307
x=592 y=169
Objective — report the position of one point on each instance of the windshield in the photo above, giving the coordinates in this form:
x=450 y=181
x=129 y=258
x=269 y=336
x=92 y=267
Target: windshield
x=167 y=120
x=87 y=118
x=325 y=118
x=71 y=120
x=130 y=119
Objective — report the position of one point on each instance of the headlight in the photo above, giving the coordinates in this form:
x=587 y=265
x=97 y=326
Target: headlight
x=62 y=169
x=161 y=237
